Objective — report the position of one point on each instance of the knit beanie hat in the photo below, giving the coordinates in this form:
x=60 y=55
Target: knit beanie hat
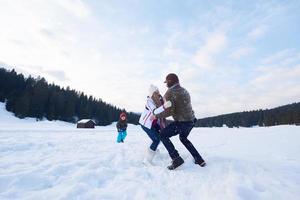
x=123 y=114
x=152 y=89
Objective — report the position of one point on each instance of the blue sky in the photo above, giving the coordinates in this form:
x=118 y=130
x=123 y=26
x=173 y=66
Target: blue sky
x=231 y=55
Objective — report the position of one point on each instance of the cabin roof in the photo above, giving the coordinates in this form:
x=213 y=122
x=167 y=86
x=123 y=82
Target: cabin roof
x=85 y=121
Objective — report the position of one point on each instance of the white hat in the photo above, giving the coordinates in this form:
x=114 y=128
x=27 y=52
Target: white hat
x=152 y=89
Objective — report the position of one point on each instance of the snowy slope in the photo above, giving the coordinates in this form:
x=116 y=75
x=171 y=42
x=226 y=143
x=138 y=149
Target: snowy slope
x=54 y=160
x=9 y=121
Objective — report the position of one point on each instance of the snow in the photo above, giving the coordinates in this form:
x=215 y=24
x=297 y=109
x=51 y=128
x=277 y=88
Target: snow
x=85 y=121
x=54 y=160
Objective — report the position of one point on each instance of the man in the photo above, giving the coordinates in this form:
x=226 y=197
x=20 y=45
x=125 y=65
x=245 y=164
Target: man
x=178 y=105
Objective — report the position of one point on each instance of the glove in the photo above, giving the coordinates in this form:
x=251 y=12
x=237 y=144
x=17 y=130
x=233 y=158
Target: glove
x=162 y=108
x=167 y=104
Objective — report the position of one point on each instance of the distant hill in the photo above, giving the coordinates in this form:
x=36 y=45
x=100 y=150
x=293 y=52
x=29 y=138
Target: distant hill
x=34 y=97
x=287 y=114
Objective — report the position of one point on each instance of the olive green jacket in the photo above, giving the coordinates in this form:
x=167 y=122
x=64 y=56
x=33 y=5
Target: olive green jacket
x=181 y=109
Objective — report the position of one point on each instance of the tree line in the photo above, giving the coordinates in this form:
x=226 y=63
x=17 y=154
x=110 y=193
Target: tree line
x=35 y=97
x=288 y=114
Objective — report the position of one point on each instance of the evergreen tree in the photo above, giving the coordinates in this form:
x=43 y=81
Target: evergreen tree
x=288 y=114
x=30 y=97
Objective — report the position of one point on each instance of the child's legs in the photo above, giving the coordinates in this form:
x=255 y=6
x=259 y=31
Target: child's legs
x=124 y=134
x=119 y=138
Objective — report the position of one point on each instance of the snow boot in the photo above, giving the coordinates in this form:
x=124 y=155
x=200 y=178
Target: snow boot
x=149 y=156
x=200 y=162
x=176 y=163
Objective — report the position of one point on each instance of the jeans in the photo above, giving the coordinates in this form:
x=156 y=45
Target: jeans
x=153 y=135
x=183 y=129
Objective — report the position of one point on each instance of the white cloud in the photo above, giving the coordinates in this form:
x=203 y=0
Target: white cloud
x=111 y=53
x=257 y=32
x=279 y=72
x=271 y=84
x=213 y=45
x=241 y=52
x=283 y=57
x=277 y=86
x=76 y=7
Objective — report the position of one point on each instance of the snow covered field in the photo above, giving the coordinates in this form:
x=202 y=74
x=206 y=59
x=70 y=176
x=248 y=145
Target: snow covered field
x=54 y=160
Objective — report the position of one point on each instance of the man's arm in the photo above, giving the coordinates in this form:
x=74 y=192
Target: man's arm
x=162 y=108
x=166 y=109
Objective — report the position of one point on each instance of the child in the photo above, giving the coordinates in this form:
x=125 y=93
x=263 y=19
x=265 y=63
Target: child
x=121 y=127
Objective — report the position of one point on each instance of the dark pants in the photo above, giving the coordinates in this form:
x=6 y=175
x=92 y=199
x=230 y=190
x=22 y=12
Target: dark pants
x=153 y=135
x=183 y=129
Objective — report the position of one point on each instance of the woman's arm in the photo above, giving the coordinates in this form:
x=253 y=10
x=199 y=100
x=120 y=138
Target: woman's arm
x=150 y=105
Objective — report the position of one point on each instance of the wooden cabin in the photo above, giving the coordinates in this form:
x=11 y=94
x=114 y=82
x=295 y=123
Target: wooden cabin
x=86 y=123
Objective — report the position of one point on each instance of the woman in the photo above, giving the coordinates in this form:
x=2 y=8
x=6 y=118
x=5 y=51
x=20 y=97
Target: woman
x=150 y=125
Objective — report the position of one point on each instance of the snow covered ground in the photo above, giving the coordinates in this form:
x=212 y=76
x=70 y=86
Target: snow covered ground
x=54 y=160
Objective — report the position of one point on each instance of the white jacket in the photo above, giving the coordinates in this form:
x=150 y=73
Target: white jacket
x=146 y=115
